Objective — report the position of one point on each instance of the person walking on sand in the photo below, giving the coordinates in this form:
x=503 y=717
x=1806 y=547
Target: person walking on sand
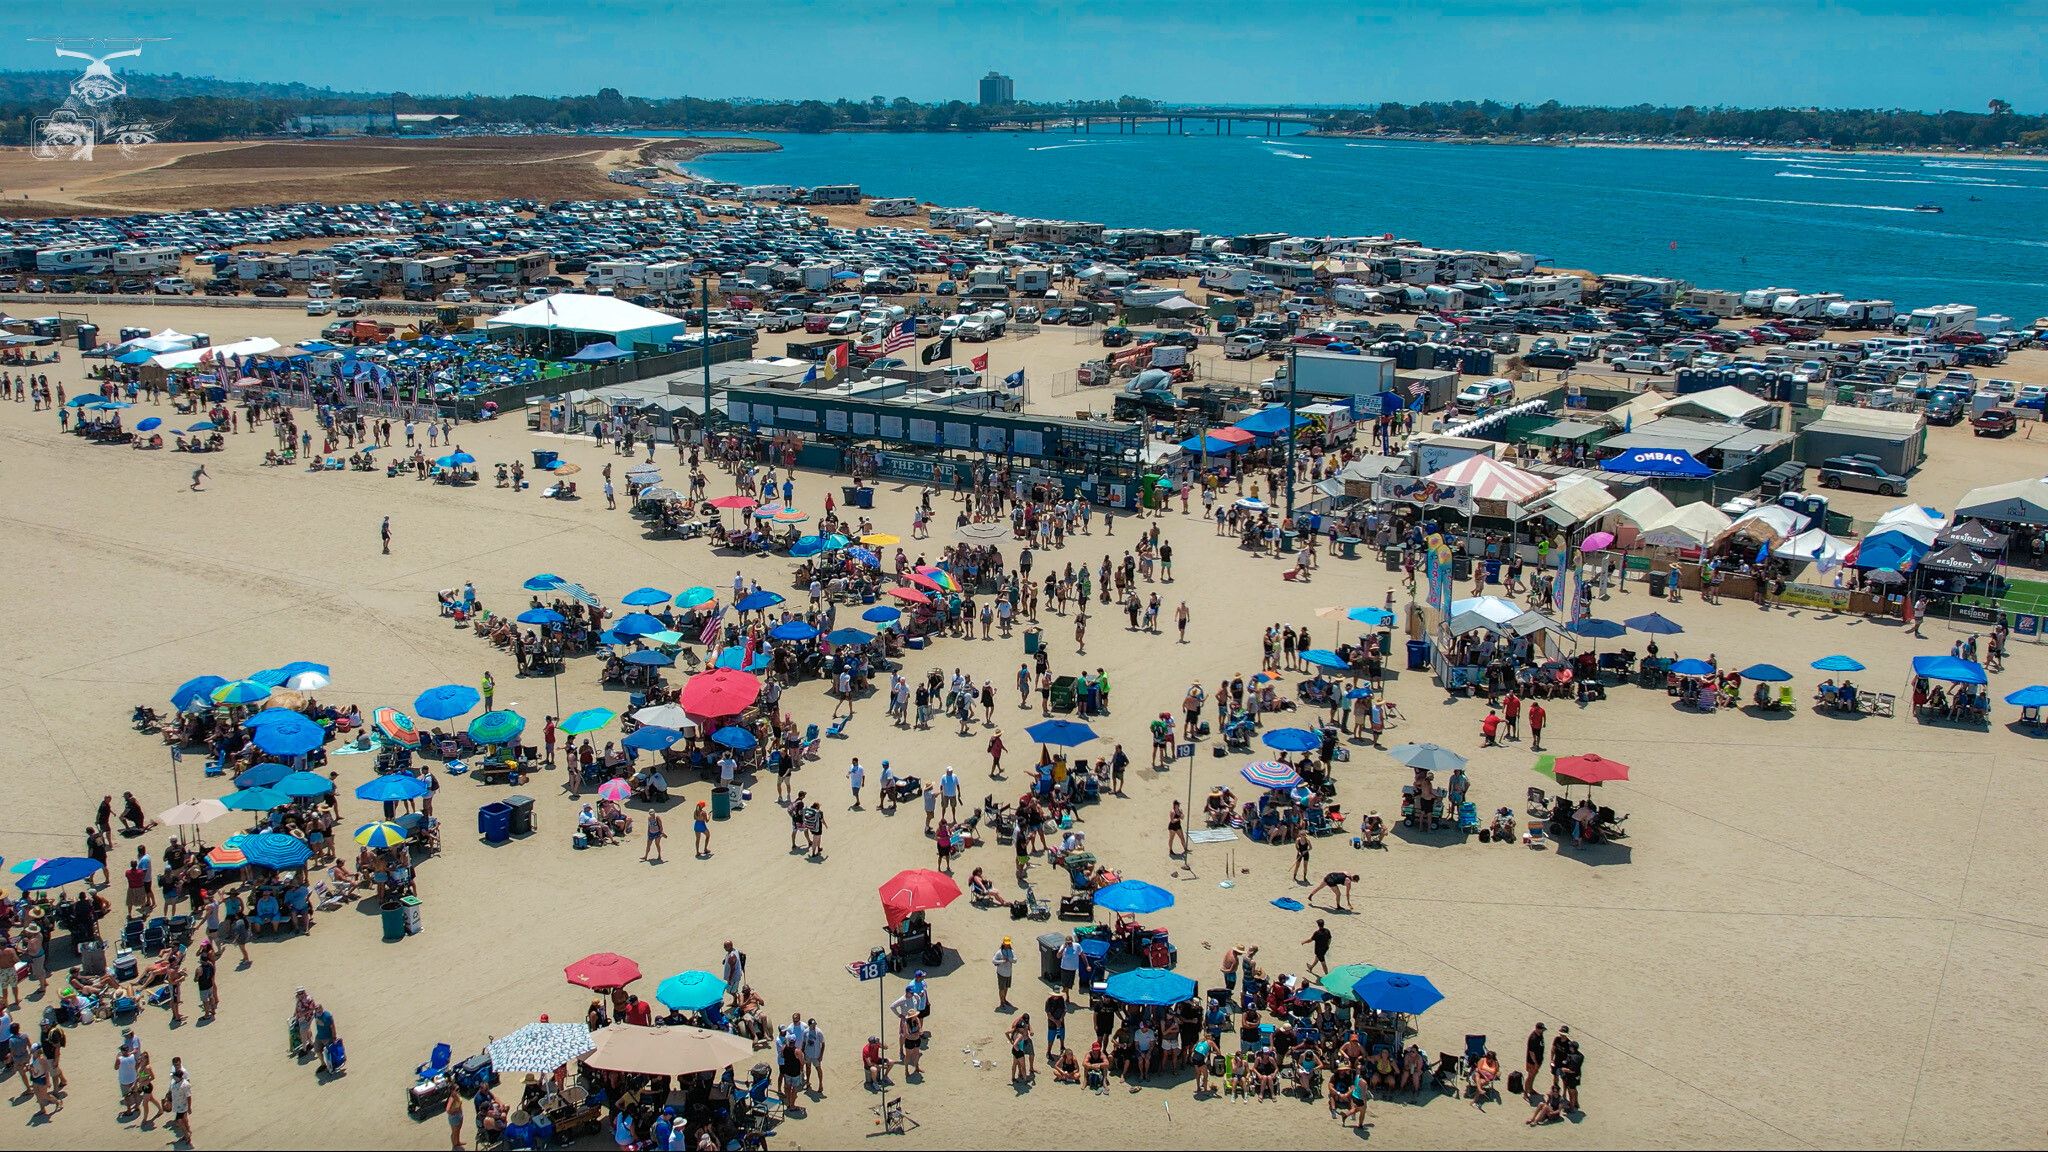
x=1180 y=621
x=199 y=474
x=384 y=534
x=1005 y=961
x=489 y=687
x=700 y=826
x=1081 y=633
x=654 y=837
x=995 y=755
x=1319 y=941
x=1537 y=717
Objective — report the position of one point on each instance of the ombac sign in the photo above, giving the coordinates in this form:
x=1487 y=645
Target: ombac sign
x=1657 y=462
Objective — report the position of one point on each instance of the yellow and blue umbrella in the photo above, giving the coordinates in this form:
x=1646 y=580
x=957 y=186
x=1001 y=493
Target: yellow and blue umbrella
x=241 y=692
x=380 y=834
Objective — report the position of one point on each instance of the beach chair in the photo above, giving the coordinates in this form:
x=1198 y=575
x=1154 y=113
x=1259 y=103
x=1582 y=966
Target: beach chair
x=1539 y=801
x=838 y=726
x=1475 y=1047
x=1468 y=817
x=327 y=898
x=1785 y=697
x=1882 y=703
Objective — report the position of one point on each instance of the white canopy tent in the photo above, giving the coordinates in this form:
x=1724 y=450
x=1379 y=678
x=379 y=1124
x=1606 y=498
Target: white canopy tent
x=1816 y=545
x=1689 y=527
x=254 y=346
x=2020 y=502
x=1642 y=507
x=1922 y=524
x=624 y=323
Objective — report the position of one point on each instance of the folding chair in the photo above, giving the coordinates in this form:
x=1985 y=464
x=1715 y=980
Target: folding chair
x=1539 y=801
x=1475 y=1047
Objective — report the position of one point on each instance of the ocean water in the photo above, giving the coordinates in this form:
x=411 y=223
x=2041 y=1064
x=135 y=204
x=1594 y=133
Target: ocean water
x=1720 y=219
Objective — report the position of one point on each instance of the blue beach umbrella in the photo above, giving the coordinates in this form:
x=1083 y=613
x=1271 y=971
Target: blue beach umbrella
x=263 y=775
x=866 y=556
x=1654 y=623
x=204 y=426
x=649 y=658
x=757 y=601
x=735 y=738
x=588 y=720
x=57 y=873
x=2032 y=696
x=255 y=800
x=690 y=991
x=1133 y=896
x=446 y=702
x=793 y=630
x=651 y=738
x=1765 y=673
x=545 y=582
x=691 y=597
x=1291 y=740
x=542 y=618
x=1838 y=663
x=274 y=716
x=1692 y=668
x=275 y=850
x=1324 y=658
x=1060 y=733
x=1596 y=628
x=196 y=691
x=285 y=738
x=835 y=541
x=1370 y=617
x=380 y=835
x=393 y=788
x=1401 y=993
x=149 y=424
x=638 y=624
x=735 y=659
x=500 y=727
x=845 y=636
x=304 y=785
x=641 y=597
x=882 y=614
x=1150 y=986
x=461 y=457
x=806 y=546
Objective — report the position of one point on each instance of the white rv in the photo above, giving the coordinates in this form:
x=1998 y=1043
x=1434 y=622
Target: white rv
x=1940 y=320
x=892 y=206
x=1860 y=314
x=1812 y=306
x=144 y=261
x=79 y=258
x=1760 y=301
x=1227 y=279
x=1530 y=291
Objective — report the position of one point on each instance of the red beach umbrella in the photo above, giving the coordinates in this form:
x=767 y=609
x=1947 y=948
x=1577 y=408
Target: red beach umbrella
x=602 y=970
x=908 y=595
x=724 y=692
x=916 y=890
x=1590 y=769
x=733 y=502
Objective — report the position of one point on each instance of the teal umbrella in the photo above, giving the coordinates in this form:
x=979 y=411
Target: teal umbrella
x=500 y=727
x=692 y=597
x=588 y=720
x=241 y=692
x=690 y=991
x=255 y=800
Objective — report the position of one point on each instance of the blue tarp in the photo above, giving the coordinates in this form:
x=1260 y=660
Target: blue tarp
x=1949 y=668
x=1657 y=462
x=1271 y=422
x=1210 y=445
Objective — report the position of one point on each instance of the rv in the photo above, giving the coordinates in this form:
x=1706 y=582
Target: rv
x=1726 y=305
x=1860 y=314
x=144 y=261
x=1285 y=273
x=892 y=206
x=1641 y=289
x=1227 y=279
x=1760 y=301
x=1529 y=291
x=81 y=258
x=1355 y=297
x=1034 y=279
x=1443 y=298
x=1809 y=307
x=1933 y=323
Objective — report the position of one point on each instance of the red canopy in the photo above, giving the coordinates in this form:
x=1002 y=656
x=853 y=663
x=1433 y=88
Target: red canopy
x=725 y=692
x=602 y=970
x=910 y=595
x=1589 y=769
x=915 y=890
x=733 y=502
x=1232 y=435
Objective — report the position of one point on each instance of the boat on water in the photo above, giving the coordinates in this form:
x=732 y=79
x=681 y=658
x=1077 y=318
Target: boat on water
x=1926 y=207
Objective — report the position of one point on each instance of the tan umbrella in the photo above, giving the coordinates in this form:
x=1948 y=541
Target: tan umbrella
x=566 y=469
x=665 y=1051
x=286 y=698
x=197 y=811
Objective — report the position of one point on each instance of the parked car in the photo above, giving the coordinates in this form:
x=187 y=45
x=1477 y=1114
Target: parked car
x=268 y=289
x=1994 y=422
x=1861 y=473
x=1243 y=346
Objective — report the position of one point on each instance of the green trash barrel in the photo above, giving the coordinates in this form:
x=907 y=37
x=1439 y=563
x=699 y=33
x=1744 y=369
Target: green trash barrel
x=1031 y=641
x=394 y=920
x=721 y=802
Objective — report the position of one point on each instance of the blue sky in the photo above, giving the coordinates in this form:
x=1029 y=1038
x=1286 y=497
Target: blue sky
x=1734 y=52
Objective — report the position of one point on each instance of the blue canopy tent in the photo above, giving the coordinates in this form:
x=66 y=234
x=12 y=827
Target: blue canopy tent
x=1672 y=462
x=1894 y=551
x=1209 y=445
x=1271 y=422
x=1950 y=668
x=598 y=353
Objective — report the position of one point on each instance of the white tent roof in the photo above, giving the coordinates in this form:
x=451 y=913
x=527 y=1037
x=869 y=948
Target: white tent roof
x=1921 y=524
x=1577 y=498
x=1642 y=507
x=1492 y=608
x=1833 y=549
x=254 y=346
x=1492 y=480
x=576 y=312
x=1728 y=402
x=2020 y=502
x=1692 y=525
x=1772 y=522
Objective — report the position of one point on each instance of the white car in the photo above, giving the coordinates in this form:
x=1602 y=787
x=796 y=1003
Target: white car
x=319 y=307
x=456 y=296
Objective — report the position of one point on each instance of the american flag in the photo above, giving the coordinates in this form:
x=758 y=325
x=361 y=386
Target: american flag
x=709 y=632
x=901 y=336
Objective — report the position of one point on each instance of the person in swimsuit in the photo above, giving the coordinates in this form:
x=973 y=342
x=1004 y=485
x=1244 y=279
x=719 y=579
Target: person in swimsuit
x=1339 y=884
x=1176 y=823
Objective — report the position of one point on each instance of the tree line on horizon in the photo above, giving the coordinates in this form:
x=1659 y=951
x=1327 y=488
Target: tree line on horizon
x=199 y=109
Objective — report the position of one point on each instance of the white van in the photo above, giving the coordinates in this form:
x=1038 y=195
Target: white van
x=844 y=323
x=1483 y=394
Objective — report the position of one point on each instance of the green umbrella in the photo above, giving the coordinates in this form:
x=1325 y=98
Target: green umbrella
x=499 y=727
x=588 y=720
x=1340 y=979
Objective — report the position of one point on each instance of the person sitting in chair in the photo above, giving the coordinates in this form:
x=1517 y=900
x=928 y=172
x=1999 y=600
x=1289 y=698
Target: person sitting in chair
x=593 y=829
x=983 y=891
x=1373 y=831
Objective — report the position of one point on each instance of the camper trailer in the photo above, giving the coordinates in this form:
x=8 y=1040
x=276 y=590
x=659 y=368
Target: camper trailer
x=892 y=206
x=1760 y=301
x=1726 y=305
x=1813 y=306
x=1860 y=314
x=1532 y=291
x=1228 y=278
x=1938 y=321
x=146 y=261
x=1034 y=279
x=79 y=258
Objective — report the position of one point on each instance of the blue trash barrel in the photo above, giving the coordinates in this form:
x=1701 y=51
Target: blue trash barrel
x=1493 y=571
x=494 y=822
x=1418 y=655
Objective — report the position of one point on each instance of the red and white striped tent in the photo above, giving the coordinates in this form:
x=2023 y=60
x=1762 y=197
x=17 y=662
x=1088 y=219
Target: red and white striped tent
x=1492 y=480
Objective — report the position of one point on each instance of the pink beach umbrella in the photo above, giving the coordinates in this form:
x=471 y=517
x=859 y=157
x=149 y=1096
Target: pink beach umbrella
x=1597 y=542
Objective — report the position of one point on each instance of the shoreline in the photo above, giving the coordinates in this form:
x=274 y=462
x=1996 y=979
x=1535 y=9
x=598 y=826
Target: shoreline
x=681 y=150
x=1676 y=146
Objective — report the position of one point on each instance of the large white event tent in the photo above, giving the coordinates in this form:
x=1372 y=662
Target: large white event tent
x=623 y=323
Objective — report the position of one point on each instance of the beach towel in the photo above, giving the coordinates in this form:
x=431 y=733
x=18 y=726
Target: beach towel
x=1288 y=904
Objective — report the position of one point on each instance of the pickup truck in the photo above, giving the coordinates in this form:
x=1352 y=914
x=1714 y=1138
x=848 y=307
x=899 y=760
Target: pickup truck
x=1994 y=422
x=1243 y=346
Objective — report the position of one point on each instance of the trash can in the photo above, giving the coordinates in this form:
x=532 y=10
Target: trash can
x=409 y=914
x=1418 y=655
x=721 y=802
x=1392 y=557
x=394 y=918
x=858 y=497
x=1049 y=946
x=1461 y=568
x=522 y=814
x=92 y=957
x=1493 y=571
x=1287 y=539
x=545 y=460
x=1063 y=691
x=494 y=822
x=1657 y=583
x=88 y=337
x=1347 y=547
x=1032 y=639
x=1386 y=643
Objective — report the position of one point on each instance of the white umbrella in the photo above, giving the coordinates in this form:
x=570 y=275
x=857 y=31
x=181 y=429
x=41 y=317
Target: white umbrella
x=197 y=811
x=665 y=716
x=307 y=681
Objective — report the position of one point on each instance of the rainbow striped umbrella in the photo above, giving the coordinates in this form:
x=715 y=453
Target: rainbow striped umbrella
x=395 y=726
x=228 y=855
x=789 y=516
x=1271 y=774
x=380 y=834
x=241 y=692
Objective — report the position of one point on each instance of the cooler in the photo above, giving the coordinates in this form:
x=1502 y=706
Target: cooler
x=494 y=822
x=544 y=459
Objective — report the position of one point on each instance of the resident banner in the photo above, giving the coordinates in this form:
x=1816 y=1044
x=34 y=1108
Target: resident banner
x=1424 y=492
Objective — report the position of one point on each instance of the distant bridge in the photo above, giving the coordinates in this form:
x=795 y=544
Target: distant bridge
x=1219 y=121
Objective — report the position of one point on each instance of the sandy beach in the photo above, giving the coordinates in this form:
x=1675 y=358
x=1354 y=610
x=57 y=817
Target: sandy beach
x=1820 y=931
